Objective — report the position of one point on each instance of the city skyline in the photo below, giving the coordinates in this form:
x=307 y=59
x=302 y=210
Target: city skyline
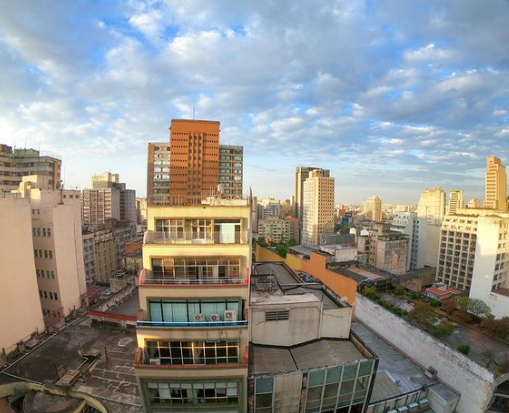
x=418 y=99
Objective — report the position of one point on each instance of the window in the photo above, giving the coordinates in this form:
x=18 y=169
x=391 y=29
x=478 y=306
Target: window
x=264 y=391
x=193 y=393
x=196 y=268
x=184 y=311
x=277 y=315
x=196 y=352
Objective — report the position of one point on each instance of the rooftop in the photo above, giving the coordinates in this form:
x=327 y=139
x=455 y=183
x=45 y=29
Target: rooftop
x=273 y=282
x=320 y=353
x=111 y=380
x=361 y=273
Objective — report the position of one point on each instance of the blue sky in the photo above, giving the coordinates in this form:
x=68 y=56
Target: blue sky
x=393 y=96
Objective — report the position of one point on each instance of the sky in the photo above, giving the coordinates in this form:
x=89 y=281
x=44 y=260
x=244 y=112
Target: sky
x=393 y=96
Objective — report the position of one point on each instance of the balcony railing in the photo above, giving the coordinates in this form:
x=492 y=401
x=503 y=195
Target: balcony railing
x=185 y=324
x=210 y=197
x=198 y=238
x=148 y=278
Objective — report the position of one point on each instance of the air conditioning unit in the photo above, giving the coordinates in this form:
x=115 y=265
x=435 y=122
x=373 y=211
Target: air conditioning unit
x=215 y=317
x=230 y=315
x=155 y=362
x=199 y=317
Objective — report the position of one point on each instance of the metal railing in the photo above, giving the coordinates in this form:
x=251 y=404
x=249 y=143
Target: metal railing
x=194 y=237
x=239 y=323
x=212 y=197
x=147 y=277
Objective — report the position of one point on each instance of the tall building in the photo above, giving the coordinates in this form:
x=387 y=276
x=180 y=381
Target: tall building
x=474 y=256
x=14 y=164
x=496 y=184
x=192 y=331
x=301 y=174
x=407 y=223
x=430 y=214
x=100 y=205
x=231 y=169
x=303 y=355
x=372 y=207
x=318 y=207
x=270 y=208
x=141 y=210
x=158 y=173
x=277 y=229
x=194 y=158
x=21 y=313
x=57 y=247
x=455 y=200
x=127 y=196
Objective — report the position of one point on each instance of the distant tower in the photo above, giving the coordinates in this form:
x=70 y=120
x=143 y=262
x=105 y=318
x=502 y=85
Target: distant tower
x=373 y=207
x=455 y=201
x=496 y=185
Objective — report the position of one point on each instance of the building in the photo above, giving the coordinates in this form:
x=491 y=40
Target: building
x=455 y=201
x=474 y=203
x=127 y=199
x=141 y=210
x=231 y=169
x=496 y=185
x=276 y=229
x=372 y=208
x=430 y=213
x=88 y=239
x=407 y=223
x=125 y=232
x=57 y=247
x=194 y=158
x=194 y=300
x=158 y=173
x=100 y=205
x=318 y=207
x=21 y=313
x=474 y=256
x=301 y=174
x=303 y=356
x=17 y=163
x=270 y=208
x=294 y=228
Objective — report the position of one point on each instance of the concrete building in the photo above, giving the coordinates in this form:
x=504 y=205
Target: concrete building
x=474 y=256
x=430 y=213
x=88 y=240
x=276 y=229
x=158 y=173
x=455 y=201
x=16 y=163
x=301 y=174
x=407 y=223
x=100 y=205
x=496 y=185
x=231 y=170
x=194 y=300
x=304 y=357
x=141 y=210
x=125 y=232
x=270 y=208
x=294 y=228
x=127 y=199
x=474 y=203
x=318 y=207
x=21 y=314
x=57 y=248
x=372 y=208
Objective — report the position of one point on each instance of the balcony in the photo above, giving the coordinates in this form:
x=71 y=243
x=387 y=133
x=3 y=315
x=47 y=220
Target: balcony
x=195 y=238
x=192 y=324
x=147 y=277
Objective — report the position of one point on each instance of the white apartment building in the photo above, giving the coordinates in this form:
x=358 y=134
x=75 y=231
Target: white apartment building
x=474 y=256
x=430 y=213
x=455 y=201
x=277 y=229
x=318 y=211
x=100 y=205
x=407 y=223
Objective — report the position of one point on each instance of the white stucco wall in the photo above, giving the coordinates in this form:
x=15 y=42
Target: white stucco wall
x=474 y=382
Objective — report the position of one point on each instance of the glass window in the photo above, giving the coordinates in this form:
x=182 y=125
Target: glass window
x=264 y=389
x=316 y=377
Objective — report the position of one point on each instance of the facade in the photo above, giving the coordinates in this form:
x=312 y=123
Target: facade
x=231 y=169
x=194 y=158
x=430 y=213
x=301 y=174
x=318 y=207
x=270 y=208
x=455 y=201
x=88 y=239
x=474 y=256
x=21 y=314
x=141 y=210
x=57 y=248
x=16 y=163
x=277 y=229
x=372 y=207
x=496 y=185
x=294 y=228
x=100 y=205
x=158 y=173
x=407 y=223
x=304 y=357
x=125 y=232
x=127 y=198
x=194 y=299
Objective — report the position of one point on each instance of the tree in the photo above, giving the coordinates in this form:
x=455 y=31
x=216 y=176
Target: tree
x=423 y=314
x=445 y=328
x=399 y=290
x=496 y=328
x=370 y=292
x=478 y=308
x=261 y=242
x=292 y=242
x=281 y=250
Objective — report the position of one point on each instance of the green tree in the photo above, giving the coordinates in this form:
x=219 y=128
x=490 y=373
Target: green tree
x=292 y=242
x=370 y=292
x=281 y=250
x=445 y=328
x=261 y=242
x=423 y=314
x=478 y=308
x=464 y=348
x=399 y=290
x=496 y=328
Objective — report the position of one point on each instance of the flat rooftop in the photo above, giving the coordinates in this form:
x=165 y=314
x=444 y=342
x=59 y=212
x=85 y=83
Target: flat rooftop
x=129 y=306
x=275 y=282
x=112 y=382
x=320 y=353
x=361 y=273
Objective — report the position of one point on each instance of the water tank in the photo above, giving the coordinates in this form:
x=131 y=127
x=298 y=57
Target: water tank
x=353 y=231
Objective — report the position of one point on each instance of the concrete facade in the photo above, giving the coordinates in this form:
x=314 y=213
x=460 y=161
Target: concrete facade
x=407 y=223
x=496 y=185
x=100 y=205
x=278 y=230
x=21 y=313
x=231 y=170
x=372 y=208
x=430 y=213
